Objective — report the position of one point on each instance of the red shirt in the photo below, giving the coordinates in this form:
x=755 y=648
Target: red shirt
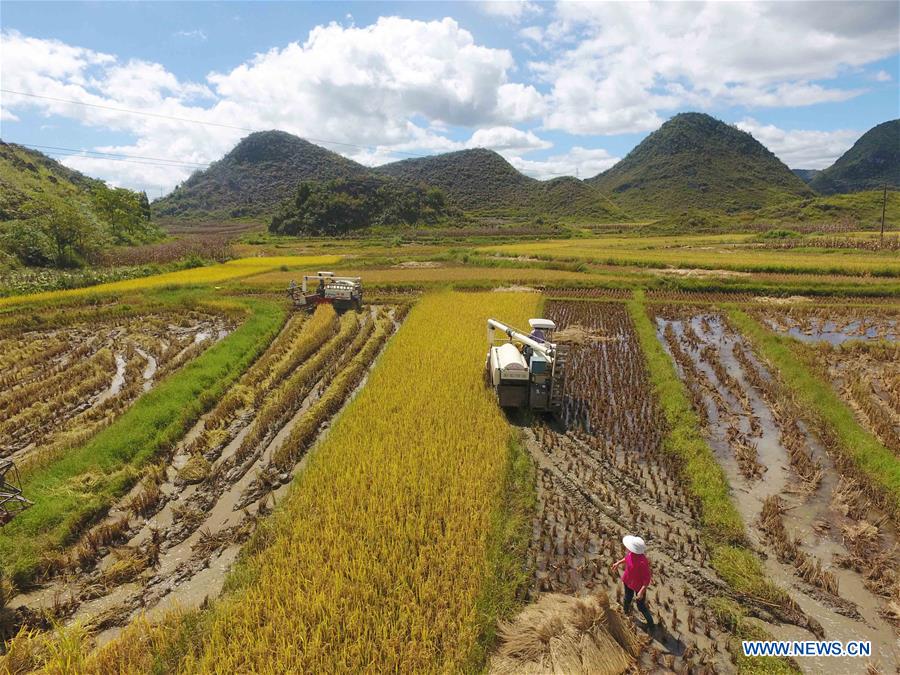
x=637 y=571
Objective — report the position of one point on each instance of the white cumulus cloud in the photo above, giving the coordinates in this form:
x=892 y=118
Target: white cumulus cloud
x=799 y=148
x=511 y=10
x=396 y=85
x=620 y=67
x=579 y=162
x=507 y=138
x=409 y=86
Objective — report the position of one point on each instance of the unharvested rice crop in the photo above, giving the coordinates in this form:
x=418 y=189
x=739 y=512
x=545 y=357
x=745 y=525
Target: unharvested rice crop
x=378 y=558
x=233 y=269
x=436 y=275
x=712 y=252
x=172 y=538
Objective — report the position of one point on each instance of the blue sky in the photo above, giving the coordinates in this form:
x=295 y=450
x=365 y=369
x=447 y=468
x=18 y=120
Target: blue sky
x=557 y=88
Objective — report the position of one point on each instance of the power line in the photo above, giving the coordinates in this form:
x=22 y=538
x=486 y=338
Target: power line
x=78 y=153
x=112 y=155
x=155 y=161
x=195 y=121
x=125 y=110
x=203 y=122
x=62 y=155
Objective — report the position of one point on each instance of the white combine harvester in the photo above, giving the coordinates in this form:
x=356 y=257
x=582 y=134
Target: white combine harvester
x=526 y=370
x=341 y=292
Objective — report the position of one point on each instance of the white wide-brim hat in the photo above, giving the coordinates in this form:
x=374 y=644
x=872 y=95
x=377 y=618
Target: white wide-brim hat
x=634 y=544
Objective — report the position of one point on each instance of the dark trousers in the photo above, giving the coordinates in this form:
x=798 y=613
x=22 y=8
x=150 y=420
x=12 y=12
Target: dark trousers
x=641 y=605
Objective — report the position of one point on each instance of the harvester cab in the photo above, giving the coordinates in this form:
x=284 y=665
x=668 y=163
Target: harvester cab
x=11 y=499
x=341 y=292
x=526 y=370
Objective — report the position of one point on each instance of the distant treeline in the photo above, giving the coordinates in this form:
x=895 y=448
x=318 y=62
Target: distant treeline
x=341 y=205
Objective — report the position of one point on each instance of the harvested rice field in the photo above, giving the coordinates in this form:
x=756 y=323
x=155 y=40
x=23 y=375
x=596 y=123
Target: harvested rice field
x=171 y=539
x=858 y=351
x=606 y=476
x=66 y=381
x=825 y=539
x=224 y=482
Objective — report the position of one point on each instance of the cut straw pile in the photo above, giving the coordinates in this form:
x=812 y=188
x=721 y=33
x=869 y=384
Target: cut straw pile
x=577 y=334
x=564 y=634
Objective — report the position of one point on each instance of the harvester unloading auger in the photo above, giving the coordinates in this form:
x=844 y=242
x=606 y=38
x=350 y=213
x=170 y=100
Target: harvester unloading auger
x=11 y=499
x=526 y=370
x=340 y=292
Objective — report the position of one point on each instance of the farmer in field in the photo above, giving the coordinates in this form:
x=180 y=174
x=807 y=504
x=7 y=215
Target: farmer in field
x=636 y=577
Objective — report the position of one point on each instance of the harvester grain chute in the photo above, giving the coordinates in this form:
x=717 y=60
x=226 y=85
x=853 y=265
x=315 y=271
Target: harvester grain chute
x=341 y=292
x=526 y=370
x=11 y=499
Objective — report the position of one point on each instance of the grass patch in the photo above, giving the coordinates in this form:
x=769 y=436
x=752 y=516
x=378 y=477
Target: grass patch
x=723 y=528
x=508 y=576
x=741 y=569
x=707 y=481
x=80 y=486
x=832 y=419
x=730 y=615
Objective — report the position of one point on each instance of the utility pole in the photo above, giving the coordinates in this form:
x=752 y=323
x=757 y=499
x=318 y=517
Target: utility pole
x=883 y=207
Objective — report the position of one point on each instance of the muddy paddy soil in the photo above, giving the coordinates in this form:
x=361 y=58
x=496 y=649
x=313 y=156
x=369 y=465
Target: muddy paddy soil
x=860 y=355
x=605 y=477
x=172 y=540
x=867 y=377
x=833 y=325
x=77 y=378
x=821 y=538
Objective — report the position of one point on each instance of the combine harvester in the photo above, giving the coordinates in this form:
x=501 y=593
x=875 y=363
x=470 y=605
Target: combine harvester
x=526 y=370
x=11 y=499
x=341 y=292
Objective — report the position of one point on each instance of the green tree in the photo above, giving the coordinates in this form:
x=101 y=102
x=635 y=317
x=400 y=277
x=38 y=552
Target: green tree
x=74 y=231
x=145 y=206
x=27 y=241
x=123 y=212
x=338 y=206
